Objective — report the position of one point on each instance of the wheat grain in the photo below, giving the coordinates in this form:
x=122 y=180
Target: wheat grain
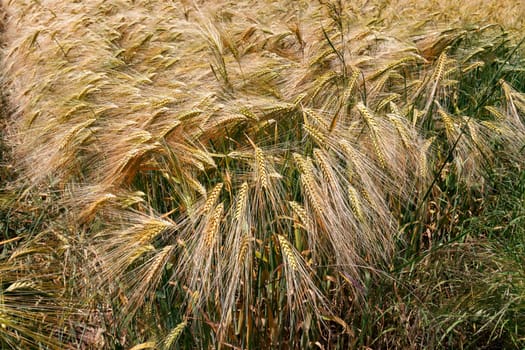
x=167 y=130
x=473 y=131
x=368 y=117
x=366 y=195
x=352 y=82
x=280 y=108
x=379 y=85
x=88 y=213
x=440 y=66
x=138 y=252
x=150 y=277
x=188 y=115
x=321 y=56
x=73 y=111
x=298 y=99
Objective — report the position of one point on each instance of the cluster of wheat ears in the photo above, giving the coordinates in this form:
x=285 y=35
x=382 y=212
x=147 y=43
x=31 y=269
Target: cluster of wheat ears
x=239 y=167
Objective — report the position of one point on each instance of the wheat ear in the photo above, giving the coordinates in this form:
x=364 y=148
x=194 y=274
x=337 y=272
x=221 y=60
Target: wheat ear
x=287 y=252
x=302 y=214
x=374 y=128
x=307 y=179
x=240 y=205
x=260 y=162
x=213 y=226
x=355 y=203
x=174 y=335
x=212 y=198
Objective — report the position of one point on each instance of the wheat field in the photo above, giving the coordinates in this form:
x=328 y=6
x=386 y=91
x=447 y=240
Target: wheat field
x=262 y=174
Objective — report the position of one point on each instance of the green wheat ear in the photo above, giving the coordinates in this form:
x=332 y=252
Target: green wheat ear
x=174 y=335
